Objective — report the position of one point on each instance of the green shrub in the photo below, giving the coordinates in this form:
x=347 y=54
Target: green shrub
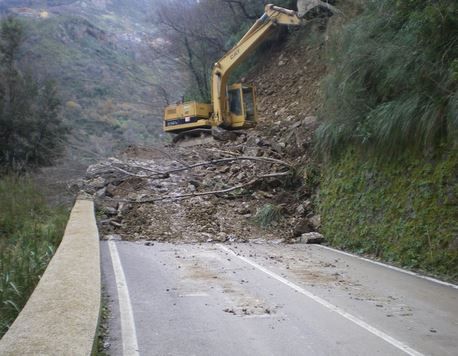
x=393 y=79
x=268 y=214
x=30 y=232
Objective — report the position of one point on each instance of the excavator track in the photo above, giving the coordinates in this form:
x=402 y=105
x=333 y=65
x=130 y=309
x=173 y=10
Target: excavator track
x=193 y=137
x=202 y=136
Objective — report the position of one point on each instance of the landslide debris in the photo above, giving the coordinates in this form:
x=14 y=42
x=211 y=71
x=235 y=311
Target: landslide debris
x=149 y=193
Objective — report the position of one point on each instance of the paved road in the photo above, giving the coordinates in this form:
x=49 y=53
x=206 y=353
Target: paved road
x=266 y=299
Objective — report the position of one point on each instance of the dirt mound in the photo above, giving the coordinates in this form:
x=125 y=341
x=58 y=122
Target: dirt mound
x=143 y=153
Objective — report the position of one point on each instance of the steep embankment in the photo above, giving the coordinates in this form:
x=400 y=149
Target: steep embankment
x=403 y=210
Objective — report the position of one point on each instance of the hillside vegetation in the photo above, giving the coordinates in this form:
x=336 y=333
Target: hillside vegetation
x=99 y=54
x=393 y=78
x=31 y=129
x=389 y=135
x=403 y=211
x=31 y=135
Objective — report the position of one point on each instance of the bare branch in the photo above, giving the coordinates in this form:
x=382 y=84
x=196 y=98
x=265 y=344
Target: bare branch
x=212 y=192
x=242 y=7
x=230 y=159
x=164 y=174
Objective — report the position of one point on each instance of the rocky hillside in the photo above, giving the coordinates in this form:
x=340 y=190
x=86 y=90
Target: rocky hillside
x=99 y=52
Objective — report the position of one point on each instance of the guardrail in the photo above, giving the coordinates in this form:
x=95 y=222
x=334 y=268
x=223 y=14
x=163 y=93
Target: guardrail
x=61 y=316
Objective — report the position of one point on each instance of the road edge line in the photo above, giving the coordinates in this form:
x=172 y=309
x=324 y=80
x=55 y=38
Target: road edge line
x=387 y=338
x=128 y=331
x=398 y=269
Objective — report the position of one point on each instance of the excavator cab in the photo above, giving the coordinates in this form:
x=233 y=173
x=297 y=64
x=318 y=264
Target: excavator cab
x=242 y=107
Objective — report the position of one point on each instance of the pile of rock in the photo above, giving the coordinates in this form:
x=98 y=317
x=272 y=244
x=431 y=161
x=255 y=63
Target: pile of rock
x=163 y=198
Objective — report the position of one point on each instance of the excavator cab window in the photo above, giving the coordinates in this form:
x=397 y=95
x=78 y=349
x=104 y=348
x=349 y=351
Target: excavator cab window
x=235 y=101
x=249 y=103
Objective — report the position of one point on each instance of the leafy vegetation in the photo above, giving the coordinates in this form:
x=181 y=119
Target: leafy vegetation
x=393 y=81
x=30 y=232
x=100 y=83
x=98 y=52
x=403 y=211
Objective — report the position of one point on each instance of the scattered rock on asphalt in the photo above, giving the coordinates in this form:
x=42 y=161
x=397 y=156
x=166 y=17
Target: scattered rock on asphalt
x=311 y=238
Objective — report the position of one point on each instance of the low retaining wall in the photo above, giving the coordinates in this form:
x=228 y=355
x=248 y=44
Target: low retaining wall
x=61 y=316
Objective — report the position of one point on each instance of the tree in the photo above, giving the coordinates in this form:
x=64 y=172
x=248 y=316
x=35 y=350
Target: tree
x=245 y=7
x=194 y=37
x=31 y=128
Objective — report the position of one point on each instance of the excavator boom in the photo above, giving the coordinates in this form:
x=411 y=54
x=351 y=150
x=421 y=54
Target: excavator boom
x=232 y=107
x=273 y=16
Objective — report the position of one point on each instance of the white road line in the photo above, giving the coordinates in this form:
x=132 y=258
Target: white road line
x=396 y=343
x=391 y=267
x=129 y=334
x=194 y=295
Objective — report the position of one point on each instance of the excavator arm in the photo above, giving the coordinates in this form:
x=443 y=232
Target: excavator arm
x=273 y=16
x=233 y=107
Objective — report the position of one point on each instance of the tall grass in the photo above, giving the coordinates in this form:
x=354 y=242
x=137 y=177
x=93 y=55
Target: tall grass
x=30 y=232
x=393 y=81
x=268 y=215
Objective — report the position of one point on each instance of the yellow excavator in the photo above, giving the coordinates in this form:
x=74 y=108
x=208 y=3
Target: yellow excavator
x=231 y=107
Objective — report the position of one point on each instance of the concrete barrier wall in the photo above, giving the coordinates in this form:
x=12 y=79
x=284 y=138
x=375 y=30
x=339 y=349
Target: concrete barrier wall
x=61 y=316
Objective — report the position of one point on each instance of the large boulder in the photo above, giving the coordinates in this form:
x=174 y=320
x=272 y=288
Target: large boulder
x=311 y=238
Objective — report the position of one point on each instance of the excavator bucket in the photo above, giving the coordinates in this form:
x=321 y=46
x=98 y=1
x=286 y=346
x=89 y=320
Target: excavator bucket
x=282 y=16
x=280 y=9
x=304 y=6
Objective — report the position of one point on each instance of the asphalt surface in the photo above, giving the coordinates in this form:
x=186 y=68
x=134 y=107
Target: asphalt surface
x=263 y=299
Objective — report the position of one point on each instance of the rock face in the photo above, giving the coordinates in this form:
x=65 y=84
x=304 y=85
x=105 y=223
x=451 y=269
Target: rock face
x=315 y=222
x=301 y=227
